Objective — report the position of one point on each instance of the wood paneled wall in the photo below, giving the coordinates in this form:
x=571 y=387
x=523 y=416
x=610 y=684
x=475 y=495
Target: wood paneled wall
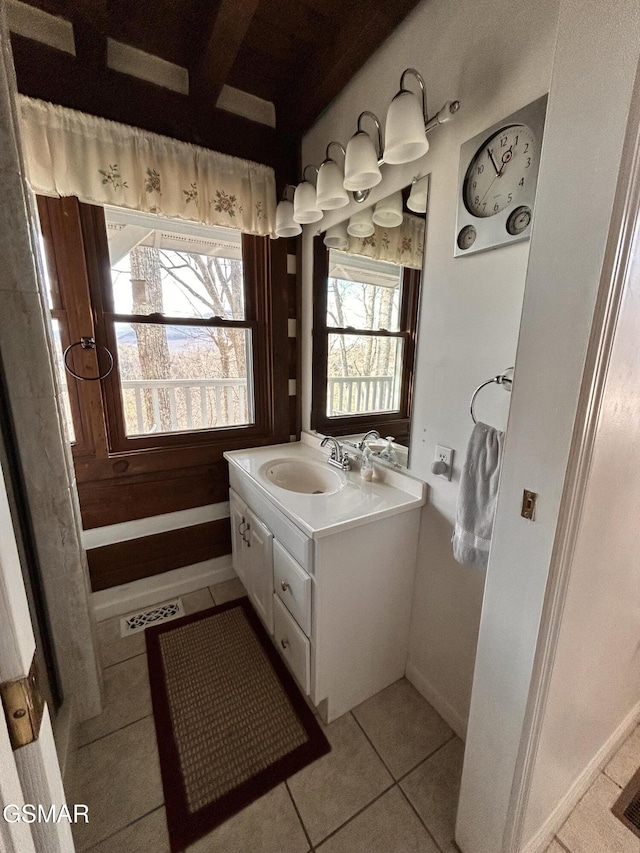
x=124 y=562
x=117 y=486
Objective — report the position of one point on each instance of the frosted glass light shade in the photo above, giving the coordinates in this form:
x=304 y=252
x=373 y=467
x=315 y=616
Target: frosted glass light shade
x=361 y=224
x=388 y=212
x=285 y=224
x=417 y=201
x=305 y=208
x=336 y=237
x=361 y=170
x=404 y=138
x=330 y=194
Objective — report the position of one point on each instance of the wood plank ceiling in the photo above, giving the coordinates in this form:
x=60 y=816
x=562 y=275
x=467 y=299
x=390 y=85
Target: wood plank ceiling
x=298 y=54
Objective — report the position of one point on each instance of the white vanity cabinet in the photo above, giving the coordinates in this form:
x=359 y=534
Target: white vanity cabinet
x=340 y=595
x=252 y=545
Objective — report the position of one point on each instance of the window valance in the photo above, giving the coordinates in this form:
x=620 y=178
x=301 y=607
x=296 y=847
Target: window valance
x=68 y=153
x=403 y=245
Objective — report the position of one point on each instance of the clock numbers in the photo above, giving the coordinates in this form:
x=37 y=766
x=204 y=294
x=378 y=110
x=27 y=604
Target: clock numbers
x=496 y=174
x=497 y=181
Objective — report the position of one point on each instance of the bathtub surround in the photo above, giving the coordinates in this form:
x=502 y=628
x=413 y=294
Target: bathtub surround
x=36 y=411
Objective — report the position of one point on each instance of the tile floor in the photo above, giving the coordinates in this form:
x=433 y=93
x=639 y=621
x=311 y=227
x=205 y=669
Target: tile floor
x=389 y=785
x=591 y=827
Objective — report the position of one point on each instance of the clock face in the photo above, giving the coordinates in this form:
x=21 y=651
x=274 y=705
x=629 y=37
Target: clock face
x=497 y=181
x=499 y=173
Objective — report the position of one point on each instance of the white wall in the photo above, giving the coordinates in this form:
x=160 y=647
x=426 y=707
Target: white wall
x=593 y=73
x=594 y=691
x=495 y=56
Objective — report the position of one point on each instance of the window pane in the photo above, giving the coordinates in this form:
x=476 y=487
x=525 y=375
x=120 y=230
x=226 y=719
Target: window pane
x=363 y=374
x=163 y=270
x=184 y=378
x=62 y=382
x=363 y=293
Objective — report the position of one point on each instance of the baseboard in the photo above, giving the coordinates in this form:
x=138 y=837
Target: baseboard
x=448 y=713
x=119 y=600
x=553 y=823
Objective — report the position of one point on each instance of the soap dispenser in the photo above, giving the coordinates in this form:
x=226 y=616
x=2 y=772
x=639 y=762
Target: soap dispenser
x=366 y=464
x=389 y=452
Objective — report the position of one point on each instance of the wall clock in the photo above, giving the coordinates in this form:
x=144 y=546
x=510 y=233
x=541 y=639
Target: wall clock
x=497 y=182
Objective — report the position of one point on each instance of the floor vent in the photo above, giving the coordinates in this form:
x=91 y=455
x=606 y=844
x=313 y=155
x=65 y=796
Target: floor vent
x=135 y=622
x=627 y=807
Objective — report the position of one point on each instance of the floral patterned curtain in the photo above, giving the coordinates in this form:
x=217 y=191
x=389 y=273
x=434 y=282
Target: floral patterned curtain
x=403 y=245
x=103 y=162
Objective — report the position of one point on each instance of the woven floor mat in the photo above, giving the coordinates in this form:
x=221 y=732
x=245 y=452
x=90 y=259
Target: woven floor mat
x=230 y=721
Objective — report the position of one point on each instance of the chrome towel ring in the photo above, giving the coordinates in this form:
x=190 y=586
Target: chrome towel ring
x=87 y=343
x=504 y=379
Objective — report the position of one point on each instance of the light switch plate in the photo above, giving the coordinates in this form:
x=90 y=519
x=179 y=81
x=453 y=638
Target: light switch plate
x=444 y=454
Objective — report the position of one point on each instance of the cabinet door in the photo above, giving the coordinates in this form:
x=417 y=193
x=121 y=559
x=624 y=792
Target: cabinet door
x=239 y=537
x=260 y=548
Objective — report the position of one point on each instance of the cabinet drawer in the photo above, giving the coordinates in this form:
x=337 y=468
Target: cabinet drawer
x=292 y=643
x=293 y=586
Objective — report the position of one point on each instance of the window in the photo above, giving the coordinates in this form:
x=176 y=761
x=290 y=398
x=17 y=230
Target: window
x=364 y=336
x=196 y=326
x=176 y=310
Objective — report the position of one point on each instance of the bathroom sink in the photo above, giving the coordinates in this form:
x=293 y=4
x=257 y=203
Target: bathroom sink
x=302 y=476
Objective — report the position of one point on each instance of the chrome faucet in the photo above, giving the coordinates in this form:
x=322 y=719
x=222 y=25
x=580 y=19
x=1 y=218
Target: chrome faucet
x=373 y=433
x=339 y=458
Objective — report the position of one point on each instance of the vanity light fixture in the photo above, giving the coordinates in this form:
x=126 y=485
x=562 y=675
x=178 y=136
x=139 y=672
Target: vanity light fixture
x=331 y=193
x=405 y=140
x=286 y=226
x=408 y=123
x=361 y=162
x=417 y=201
x=361 y=224
x=388 y=211
x=305 y=205
x=337 y=237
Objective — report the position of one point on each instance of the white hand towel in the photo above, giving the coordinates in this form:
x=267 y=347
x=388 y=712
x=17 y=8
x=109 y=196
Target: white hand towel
x=477 y=496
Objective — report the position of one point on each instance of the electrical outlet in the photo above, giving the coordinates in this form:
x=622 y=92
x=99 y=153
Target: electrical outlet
x=444 y=454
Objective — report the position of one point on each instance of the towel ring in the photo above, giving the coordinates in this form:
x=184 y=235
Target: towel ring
x=87 y=343
x=503 y=379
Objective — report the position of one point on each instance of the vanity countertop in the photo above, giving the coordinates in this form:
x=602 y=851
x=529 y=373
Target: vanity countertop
x=354 y=504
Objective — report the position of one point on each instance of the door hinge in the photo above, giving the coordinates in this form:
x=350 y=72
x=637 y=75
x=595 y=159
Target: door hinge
x=23 y=708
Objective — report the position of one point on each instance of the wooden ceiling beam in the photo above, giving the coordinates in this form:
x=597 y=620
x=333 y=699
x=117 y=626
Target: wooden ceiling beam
x=364 y=27
x=89 y=19
x=52 y=75
x=228 y=31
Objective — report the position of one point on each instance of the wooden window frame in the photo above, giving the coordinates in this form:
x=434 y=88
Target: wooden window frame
x=77 y=252
x=395 y=423
x=255 y=273
x=63 y=246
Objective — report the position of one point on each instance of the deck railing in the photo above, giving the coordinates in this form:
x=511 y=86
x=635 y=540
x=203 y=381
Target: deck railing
x=351 y=395
x=184 y=404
